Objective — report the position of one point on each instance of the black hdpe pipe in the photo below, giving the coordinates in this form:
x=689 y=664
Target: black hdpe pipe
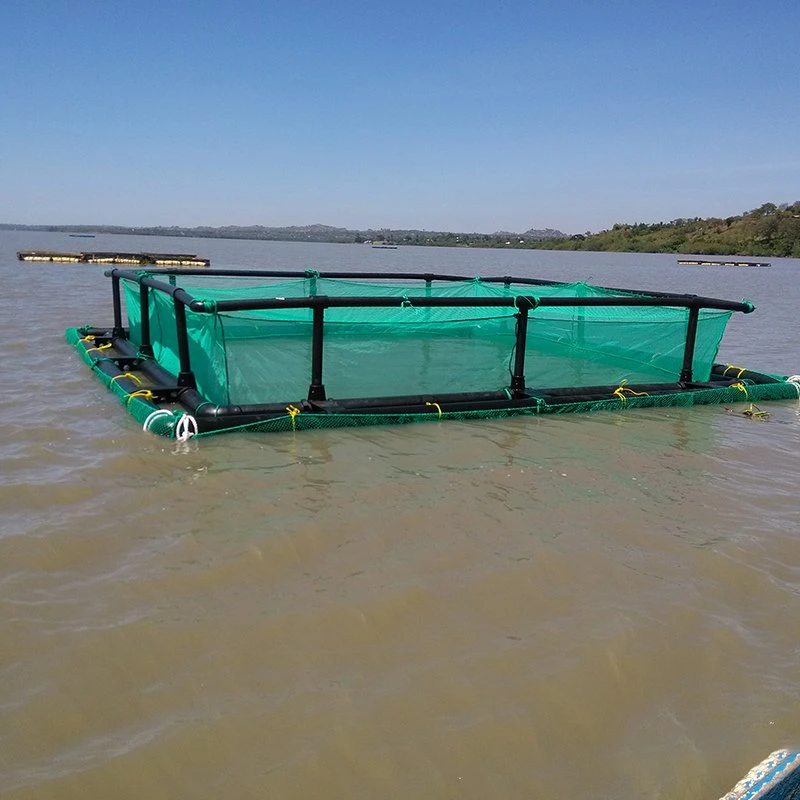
x=571 y=391
x=134 y=275
x=328 y=301
x=641 y=299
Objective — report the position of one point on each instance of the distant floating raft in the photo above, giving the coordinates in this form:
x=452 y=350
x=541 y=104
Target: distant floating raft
x=133 y=259
x=702 y=262
x=777 y=777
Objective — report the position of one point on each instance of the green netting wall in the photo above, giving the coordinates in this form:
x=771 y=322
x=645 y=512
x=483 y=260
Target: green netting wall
x=257 y=357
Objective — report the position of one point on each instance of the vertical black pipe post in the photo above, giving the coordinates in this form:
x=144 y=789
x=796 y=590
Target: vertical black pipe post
x=316 y=391
x=117 y=302
x=146 y=346
x=518 y=376
x=428 y=309
x=185 y=376
x=691 y=338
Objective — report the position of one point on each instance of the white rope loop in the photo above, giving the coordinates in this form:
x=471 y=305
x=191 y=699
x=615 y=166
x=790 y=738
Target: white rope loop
x=186 y=428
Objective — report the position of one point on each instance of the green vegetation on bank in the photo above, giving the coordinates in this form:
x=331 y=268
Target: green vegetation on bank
x=770 y=230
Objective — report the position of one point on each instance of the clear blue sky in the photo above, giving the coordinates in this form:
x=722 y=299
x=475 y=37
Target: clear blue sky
x=461 y=116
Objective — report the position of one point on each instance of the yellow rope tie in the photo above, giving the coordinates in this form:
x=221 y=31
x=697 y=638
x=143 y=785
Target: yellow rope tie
x=436 y=406
x=293 y=411
x=754 y=412
x=622 y=388
x=145 y=394
x=741 y=387
x=742 y=370
x=101 y=347
x=87 y=338
x=135 y=378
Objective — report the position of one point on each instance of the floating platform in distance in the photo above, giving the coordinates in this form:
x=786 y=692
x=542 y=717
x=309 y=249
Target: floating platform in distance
x=283 y=351
x=132 y=259
x=384 y=247
x=704 y=262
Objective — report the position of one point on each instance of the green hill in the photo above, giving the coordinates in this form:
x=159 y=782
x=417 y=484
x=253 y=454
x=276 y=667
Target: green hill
x=769 y=230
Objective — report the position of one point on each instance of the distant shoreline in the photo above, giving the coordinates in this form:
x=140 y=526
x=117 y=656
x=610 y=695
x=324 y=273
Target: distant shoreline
x=309 y=233
x=769 y=230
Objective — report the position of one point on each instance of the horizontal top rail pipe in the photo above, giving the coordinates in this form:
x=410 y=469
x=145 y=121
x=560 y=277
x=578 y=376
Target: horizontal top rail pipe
x=628 y=297
x=175 y=292
x=530 y=301
x=134 y=275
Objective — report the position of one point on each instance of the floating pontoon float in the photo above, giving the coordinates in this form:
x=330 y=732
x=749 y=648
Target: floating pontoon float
x=280 y=351
x=704 y=262
x=139 y=259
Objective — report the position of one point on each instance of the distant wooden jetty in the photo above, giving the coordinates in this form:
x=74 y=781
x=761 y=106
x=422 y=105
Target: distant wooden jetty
x=702 y=262
x=136 y=259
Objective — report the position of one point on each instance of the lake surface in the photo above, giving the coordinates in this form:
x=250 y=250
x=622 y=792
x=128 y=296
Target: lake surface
x=601 y=606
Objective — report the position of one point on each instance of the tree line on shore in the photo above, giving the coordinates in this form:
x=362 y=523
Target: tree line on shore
x=769 y=230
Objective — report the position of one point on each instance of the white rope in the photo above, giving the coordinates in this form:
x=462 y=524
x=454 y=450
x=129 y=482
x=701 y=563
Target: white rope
x=795 y=379
x=186 y=428
x=153 y=416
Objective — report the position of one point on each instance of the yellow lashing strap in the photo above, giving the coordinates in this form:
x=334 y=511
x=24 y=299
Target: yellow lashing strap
x=293 y=411
x=621 y=390
x=101 y=347
x=741 y=370
x=754 y=412
x=145 y=394
x=740 y=386
x=436 y=406
x=135 y=378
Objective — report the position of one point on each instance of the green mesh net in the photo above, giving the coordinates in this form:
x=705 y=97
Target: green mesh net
x=264 y=357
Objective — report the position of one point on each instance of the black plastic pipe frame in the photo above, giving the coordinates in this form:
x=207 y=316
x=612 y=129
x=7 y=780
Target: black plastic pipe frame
x=467 y=302
x=691 y=338
x=632 y=297
x=645 y=300
x=316 y=391
x=117 y=304
x=146 y=346
x=518 y=378
x=186 y=376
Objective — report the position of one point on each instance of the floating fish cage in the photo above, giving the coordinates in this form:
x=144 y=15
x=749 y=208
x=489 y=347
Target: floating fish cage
x=279 y=351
